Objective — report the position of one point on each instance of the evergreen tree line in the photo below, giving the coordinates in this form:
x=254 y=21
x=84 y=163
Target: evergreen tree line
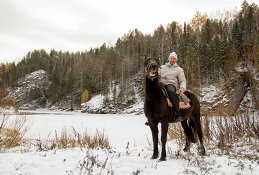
x=208 y=49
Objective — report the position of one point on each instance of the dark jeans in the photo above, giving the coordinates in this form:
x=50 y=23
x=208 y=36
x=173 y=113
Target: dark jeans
x=171 y=90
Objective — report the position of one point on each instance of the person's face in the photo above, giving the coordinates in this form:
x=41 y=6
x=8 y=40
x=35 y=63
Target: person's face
x=172 y=60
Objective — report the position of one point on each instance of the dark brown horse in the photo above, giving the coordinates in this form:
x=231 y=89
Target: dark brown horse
x=157 y=111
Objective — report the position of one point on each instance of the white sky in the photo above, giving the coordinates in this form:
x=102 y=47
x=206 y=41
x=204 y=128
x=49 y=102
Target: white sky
x=78 y=25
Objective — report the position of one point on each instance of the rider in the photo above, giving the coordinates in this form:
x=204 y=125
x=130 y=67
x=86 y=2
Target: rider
x=173 y=78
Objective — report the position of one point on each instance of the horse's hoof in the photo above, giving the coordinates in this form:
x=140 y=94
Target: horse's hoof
x=154 y=157
x=203 y=152
x=185 y=150
x=162 y=159
x=187 y=147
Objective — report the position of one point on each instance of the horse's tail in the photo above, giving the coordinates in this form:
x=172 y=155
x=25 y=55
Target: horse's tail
x=195 y=107
x=194 y=100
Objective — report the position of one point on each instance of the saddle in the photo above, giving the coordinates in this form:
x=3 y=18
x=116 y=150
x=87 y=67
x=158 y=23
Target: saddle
x=183 y=100
x=182 y=104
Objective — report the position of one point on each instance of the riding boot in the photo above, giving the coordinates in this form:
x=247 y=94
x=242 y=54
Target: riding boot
x=171 y=90
x=177 y=116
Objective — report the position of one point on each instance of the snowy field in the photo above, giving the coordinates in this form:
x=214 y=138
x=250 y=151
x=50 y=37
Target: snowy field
x=130 y=153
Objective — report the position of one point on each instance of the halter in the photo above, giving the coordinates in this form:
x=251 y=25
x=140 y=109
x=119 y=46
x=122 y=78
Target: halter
x=148 y=66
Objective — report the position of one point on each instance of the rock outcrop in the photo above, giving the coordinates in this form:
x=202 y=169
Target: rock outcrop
x=31 y=91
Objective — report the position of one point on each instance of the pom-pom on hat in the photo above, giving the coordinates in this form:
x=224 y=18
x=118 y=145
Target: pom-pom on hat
x=173 y=54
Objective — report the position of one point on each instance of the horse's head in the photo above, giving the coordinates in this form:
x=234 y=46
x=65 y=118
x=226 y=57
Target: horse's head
x=152 y=66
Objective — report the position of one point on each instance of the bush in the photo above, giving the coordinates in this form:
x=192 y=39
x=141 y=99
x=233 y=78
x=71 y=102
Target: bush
x=11 y=131
x=222 y=131
x=4 y=101
x=74 y=139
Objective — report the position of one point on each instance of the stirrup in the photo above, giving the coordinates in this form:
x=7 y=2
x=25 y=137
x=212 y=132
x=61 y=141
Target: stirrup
x=178 y=118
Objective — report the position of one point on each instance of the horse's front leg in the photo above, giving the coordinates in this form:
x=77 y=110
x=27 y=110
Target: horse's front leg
x=154 y=130
x=164 y=128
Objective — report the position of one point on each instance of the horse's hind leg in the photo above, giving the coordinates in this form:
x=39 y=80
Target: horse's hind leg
x=192 y=128
x=188 y=134
x=198 y=129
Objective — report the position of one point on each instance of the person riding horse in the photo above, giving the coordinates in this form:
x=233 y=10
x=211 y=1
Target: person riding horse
x=173 y=78
x=157 y=107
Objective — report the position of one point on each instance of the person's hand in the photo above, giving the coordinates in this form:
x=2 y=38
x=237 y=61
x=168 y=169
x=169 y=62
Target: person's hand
x=181 y=92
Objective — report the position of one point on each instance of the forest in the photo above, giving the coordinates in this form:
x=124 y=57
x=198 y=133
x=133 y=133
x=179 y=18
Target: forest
x=208 y=50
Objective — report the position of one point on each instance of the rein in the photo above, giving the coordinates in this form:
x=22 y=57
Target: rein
x=166 y=95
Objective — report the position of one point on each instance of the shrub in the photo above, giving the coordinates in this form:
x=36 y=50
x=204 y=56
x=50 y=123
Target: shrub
x=222 y=130
x=74 y=139
x=4 y=101
x=12 y=131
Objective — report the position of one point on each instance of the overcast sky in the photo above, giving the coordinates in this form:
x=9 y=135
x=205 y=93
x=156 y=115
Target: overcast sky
x=78 y=25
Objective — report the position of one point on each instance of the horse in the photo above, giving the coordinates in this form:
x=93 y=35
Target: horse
x=157 y=111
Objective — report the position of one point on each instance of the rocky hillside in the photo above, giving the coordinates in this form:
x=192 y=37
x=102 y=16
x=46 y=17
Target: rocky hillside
x=225 y=97
x=31 y=92
x=221 y=98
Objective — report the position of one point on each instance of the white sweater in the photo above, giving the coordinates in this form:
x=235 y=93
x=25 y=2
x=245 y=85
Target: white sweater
x=173 y=74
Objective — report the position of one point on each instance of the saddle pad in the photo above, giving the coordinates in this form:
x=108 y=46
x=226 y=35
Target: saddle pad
x=183 y=105
x=183 y=100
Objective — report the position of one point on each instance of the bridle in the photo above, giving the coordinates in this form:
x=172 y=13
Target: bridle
x=151 y=67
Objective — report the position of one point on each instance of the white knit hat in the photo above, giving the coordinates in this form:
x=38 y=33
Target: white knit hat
x=173 y=54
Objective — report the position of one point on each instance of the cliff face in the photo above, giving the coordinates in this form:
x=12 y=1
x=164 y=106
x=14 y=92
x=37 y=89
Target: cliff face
x=247 y=80
x=225 y=97
x=255 y=86
x=31 y=91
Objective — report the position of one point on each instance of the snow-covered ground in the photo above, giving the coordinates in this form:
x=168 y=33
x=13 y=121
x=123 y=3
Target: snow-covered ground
x=134 y=160
x=95 y=105
x=130 y=153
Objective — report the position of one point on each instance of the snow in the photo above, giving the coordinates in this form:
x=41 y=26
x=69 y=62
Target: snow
x=136 y=108
x=35 y=80
x=43 y=125
x=247 y=106
x=39 y=73
x=241 y=69
x=120 y=162
x=130 y=153
x=210 y=94
x=95 y=103
x=131 y=143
